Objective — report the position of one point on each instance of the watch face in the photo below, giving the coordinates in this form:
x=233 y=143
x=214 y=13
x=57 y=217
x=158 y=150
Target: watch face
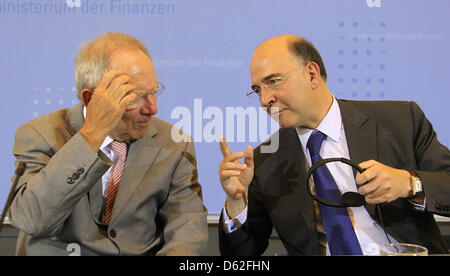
x=417 y=185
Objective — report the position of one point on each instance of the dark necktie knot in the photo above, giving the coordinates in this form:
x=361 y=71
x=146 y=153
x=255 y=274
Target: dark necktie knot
x=315 y=142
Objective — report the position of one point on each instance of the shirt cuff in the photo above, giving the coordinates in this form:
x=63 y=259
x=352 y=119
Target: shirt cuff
x=233 y=224
x=418 y=206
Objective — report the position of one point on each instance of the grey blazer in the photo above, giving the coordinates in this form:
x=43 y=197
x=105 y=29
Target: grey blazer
x=58 y=204
x=394 y=133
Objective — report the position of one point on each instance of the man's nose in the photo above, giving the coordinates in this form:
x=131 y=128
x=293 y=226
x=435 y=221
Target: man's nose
x=150 y=107
x=267 y=98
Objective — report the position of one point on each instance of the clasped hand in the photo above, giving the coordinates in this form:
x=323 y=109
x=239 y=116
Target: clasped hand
x=383 y=183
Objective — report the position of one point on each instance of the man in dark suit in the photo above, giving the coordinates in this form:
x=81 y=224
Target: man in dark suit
x=105 y=177
x=407 y=171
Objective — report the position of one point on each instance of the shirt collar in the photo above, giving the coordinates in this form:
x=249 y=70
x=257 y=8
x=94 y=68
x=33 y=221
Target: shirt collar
x=330 y=126
x=107 y=140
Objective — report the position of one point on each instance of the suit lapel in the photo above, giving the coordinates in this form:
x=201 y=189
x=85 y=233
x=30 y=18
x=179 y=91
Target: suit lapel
x=304 y=200
x=361 y=135
x=291 y=151
x=96 y=200
x=141 y=155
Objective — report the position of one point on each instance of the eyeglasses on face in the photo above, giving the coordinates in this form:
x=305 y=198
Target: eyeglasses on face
x=271 y=82
x=139 y=102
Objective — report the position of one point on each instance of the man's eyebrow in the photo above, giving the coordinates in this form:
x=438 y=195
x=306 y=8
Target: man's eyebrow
x=140 y=93
x=266 y=79
x=270 y=77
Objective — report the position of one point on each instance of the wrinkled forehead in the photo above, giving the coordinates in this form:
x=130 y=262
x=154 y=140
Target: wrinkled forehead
x=138 y=67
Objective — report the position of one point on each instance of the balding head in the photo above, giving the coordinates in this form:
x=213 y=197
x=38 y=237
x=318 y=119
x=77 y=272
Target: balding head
x=289 y=47
x=281 y=42
x=287 y=73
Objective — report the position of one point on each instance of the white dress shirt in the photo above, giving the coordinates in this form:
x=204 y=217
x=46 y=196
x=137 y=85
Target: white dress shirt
x=370 y=235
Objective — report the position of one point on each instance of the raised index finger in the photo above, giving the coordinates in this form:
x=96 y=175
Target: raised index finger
x=224 y=148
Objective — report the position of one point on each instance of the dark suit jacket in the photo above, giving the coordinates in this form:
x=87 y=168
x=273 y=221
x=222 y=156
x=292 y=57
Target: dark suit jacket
x=58 y=205
x=394 y=133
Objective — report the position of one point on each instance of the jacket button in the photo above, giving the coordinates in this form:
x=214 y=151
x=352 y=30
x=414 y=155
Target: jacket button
x=70 y=180
x=80 y=171
x=75 y=176
x=113 y=233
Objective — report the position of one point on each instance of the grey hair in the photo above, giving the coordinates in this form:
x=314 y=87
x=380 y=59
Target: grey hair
x=93 y=60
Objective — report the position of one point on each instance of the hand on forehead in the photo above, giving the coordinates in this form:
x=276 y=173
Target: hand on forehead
x=138 y=67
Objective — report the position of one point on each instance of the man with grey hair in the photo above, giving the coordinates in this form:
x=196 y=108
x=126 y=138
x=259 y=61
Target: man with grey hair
x=104 y=177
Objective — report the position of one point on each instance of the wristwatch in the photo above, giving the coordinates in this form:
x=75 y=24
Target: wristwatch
x=416 y=184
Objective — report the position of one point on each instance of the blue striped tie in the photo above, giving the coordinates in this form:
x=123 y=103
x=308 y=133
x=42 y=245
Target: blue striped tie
x=338 y=228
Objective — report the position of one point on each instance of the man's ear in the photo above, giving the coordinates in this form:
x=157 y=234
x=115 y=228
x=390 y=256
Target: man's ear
x=313 y=71
x=86 y=95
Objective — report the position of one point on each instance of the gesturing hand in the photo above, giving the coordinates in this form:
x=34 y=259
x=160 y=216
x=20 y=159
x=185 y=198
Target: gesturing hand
x=235 y=176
